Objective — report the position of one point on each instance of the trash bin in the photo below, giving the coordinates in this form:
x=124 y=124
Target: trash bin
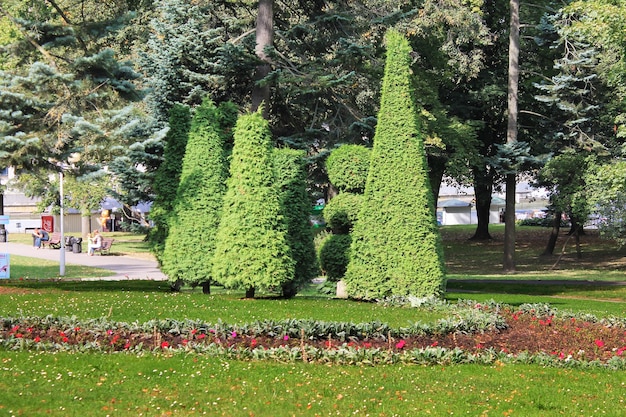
x=3 y=235
x=69 y=243
x=77 y=246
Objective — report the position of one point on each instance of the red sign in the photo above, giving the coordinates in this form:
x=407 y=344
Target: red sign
x=47 y=223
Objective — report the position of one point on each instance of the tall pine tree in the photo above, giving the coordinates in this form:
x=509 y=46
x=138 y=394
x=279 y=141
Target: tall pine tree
x=396 y=248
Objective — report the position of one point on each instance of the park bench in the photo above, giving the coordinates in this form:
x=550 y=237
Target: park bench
x=53 y=242
x=105 y=249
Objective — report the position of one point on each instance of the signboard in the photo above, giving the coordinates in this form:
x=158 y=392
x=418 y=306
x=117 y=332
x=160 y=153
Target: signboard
x=4 y=219
x=5 y=272
x=47 y=223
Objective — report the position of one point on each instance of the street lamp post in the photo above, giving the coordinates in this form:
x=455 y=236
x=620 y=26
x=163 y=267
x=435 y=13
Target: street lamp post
x=62 y=253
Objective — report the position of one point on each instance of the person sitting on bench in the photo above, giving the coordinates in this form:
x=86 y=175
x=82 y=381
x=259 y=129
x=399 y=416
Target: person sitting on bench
x=94 y=242
x=39 y=235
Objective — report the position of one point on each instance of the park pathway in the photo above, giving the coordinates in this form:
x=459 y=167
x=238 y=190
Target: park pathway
x=122 y=267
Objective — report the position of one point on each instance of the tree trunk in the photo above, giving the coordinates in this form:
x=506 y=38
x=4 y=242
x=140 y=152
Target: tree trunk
x=250 y=292
x=206 y=287
x=85 y=224
x=436 y=169
x=264 y=39
x=483 y=188
x=511 y=133
x=554 y=235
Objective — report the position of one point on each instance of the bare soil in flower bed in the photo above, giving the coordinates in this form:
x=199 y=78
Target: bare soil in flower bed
x=562 y=337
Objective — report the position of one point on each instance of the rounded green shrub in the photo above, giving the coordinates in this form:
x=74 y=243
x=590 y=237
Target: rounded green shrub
x=347 y=167
x=341 y=212
x=335 y=255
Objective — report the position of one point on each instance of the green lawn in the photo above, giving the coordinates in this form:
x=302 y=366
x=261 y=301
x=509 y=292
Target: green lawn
x=156 y=384
x=35 y=384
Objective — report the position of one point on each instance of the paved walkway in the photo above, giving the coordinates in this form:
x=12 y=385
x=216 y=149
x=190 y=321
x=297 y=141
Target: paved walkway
x=121 y=267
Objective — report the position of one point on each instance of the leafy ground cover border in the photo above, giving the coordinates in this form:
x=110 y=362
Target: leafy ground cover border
x=464 y=338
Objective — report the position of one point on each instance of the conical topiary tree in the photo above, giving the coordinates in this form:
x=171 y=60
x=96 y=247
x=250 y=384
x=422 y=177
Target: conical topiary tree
x=290 y=174
x=167 y=177
x=190 y=244
x=396 y=247
x=251 y=244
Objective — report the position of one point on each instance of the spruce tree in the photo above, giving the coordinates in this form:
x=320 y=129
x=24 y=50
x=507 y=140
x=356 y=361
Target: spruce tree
x=396 y=248
x=290 y=173
x=190 y=244
x=252 y=250
x=167 y=176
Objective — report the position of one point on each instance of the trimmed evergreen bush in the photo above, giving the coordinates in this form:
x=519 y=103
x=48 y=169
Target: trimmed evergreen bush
x=190 y=244
x=347 y=167
x=167 y=177
x=342 y=211
x=396 y=247
x=290 y=174
x=252 y=251
x=334 y=256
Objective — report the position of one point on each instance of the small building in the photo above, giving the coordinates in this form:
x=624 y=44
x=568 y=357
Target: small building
x=455 y=212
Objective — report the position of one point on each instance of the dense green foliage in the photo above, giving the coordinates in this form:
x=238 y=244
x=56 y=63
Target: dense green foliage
x=290 y=175
x=167 y=176
x=347 y=167
x=252 y=248
x=396 y=247
x=190 y=244
x=334 y=254
x=342 y=211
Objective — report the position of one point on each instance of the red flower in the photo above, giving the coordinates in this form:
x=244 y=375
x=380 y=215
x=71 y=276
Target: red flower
x=37 y=339
x=253 y=343
x=19 y=335
x=367 y=345
x=285 y=337
x=599 y=343
x=127 y=345
x=621 y=350
x=201 y=336
x=400 y=344
x=435 y=343
x=164 y=345
x=65 y=339
x=194 y=331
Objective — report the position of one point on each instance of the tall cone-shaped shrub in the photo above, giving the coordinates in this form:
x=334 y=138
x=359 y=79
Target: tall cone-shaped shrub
x=396 y=247
x=251 y=244
x=290 y=174
x=190 y=244
x=167 y=177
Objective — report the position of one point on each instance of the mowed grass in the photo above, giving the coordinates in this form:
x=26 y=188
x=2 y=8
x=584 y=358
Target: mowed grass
x=63 y=384
x=26 y=268
x=90 y=384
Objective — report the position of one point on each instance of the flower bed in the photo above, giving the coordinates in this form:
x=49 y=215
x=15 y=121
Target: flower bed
x=477 y=333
